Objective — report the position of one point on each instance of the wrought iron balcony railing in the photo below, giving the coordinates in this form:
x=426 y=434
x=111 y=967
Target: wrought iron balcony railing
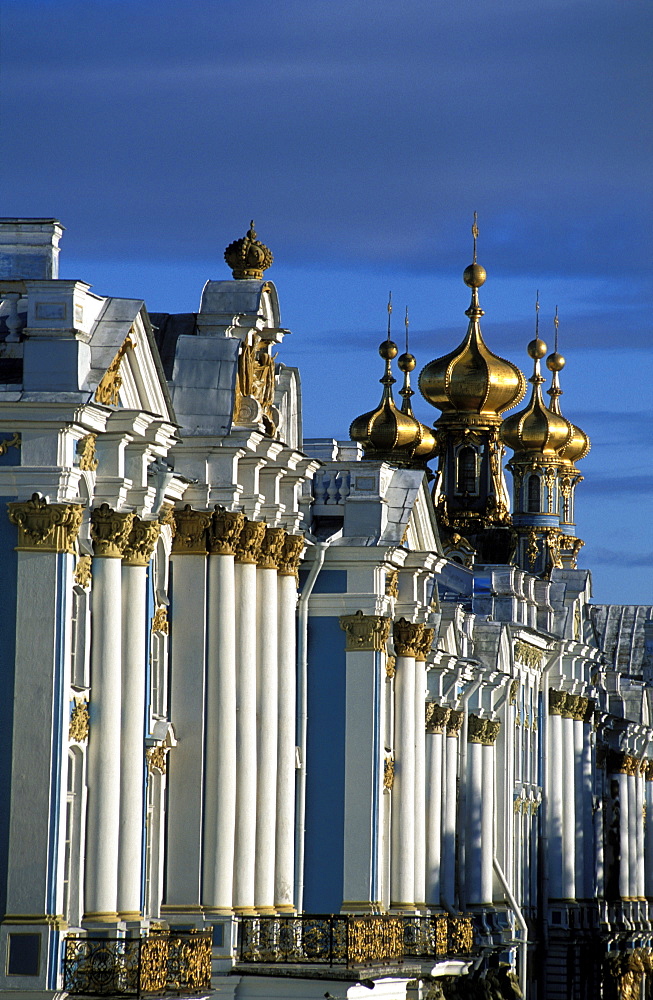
x=158 y=965
x=348 y=940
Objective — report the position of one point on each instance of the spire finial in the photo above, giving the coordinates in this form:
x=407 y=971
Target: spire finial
x=406 y=363
x=475 y=232
x=406 y=325
x=556 y=323
x=389 y=312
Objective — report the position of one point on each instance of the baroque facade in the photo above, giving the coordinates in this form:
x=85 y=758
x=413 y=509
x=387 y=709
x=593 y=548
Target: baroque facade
x=281 y=716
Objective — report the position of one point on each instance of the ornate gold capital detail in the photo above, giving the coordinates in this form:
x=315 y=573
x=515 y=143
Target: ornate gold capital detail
x=108 y=390
x=167 y=516
x=390 y=666
x=47 y=527
x=110 y=531
x=13 y=442
x=408 y=637
x=190 y=531
x=141 y=541
x=365 y=632
x=647 y=767
x=476 y=729
x=492 y=730
x=271 y=548
x=156 y=758
x=160 y=621
x=293 y=547
x=514 y=688
x=82 y=575
x=620 y=762
x=79 y=721
x=424 y=644
x=527 y=654
x=392 y=583
x=437 y=717
x=571 y=709
x=557 y=702
x=388 y=773
x=250 y=540
x=86 y=452
x=225 y=527
x=454 y=722
x=579 y=710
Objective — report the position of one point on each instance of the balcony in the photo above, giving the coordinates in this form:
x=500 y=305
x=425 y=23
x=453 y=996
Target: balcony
x=159 y=965
x=353 y=942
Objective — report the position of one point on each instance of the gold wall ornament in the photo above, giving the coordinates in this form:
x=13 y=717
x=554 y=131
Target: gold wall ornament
x=139 y=546
x=271 y=548
x=108 y=390
x=224 y=530
x=454 y=722
x=110 y=531
x=47 y=527
x=407 y=637
x=424 y=644
x=550 y=479
x=514 y=687
x=365 y=632
x=557 y=702
x=190 y=531
x=167 y=517
x=527 y=654
x=255 y=383
x=533 y=550
x=388 y=773
x=156 y=758
x=250 y=540
x=392 y=583
x=86 y=453
x=13 y=442
x=461 y=935
x=390 y=666
x=78 y=727
x=82 y=575
x=160 y=621
x=293 y=547
x=437 y=717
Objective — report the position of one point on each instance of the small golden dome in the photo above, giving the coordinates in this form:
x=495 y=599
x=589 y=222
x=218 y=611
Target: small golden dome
x=472 y=379
x=406 y=362
x=536 y=429
x=555 y=362
x=248 y=257
x=579 y=443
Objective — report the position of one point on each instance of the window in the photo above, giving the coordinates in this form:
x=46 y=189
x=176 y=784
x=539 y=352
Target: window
x=78 y=644
x=466 y=471
x=534 y=495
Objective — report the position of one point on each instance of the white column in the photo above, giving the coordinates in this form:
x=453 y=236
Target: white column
x=406 y=639
x=286 y=729
x=633 y=823
x=474 y=812
x=450 y=808
x=267 y=716
x=420 y=780
x=185 y=773
x=221 y=762
x=621 y=779
x=488 y=811
x=568 y=809
x=582 y=803
x=436 y=721
x=554 y=804
x=110 y=531
x=589 y=839
x=639 y=847
x=648 y=831
x=247 y=553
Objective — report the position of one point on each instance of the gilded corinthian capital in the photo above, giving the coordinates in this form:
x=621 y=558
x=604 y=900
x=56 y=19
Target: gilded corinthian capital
x=248 y=546
x=293 y=547
x=425 y=643
x=557 y=702
x=409 y=638
x=271 y=548
x=437 y=717
x=110 y=531
x=190 y=531
x=476 y=729
x=140 y=544
x=365 y=632
x=225 y=529
x=46 y=527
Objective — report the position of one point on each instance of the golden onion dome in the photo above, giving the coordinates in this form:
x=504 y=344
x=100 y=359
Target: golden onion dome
x=536 y=429
x=472 y=379
x=579 y=443
x=387 y=433
x=427 y=447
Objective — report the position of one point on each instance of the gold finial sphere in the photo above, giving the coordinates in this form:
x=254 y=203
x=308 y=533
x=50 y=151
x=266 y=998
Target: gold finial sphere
x=388 y=350
x=555 y=362
x=474 y=276
x=406 y=362
x=536 y=348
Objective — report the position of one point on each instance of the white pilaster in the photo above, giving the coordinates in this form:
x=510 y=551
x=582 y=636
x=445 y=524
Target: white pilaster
x=435 y=798
x=450 y=810
x=474 y=819
x=420 y=782
x=555 y=798
x=403 y=807
x=568 y=810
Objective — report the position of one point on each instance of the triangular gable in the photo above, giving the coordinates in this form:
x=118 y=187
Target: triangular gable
x=126 y=370
x=422 y=533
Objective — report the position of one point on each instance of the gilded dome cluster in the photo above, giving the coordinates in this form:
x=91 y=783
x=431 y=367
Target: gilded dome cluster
x=472 y=379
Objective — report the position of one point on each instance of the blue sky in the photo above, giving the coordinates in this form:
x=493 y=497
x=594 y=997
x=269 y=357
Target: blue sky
x=361 y=135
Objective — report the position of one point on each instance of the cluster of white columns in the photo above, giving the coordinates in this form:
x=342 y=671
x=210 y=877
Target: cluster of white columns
x=627 y=778
x=242 y=684
x=123 y=547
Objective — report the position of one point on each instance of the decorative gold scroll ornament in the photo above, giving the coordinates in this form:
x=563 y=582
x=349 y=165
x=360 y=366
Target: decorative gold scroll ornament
x=83 y=571
x=156 y=758
x=108 y=390
x=365 y=632
x=78 y=727
x=47 y=527
x=86 y=452
x=390 y=666
x=392 y=583
x=140 y=544
x=13 y=442
x=388 y=773
x=110 y=531
x=160 y=621
x=527 y=654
